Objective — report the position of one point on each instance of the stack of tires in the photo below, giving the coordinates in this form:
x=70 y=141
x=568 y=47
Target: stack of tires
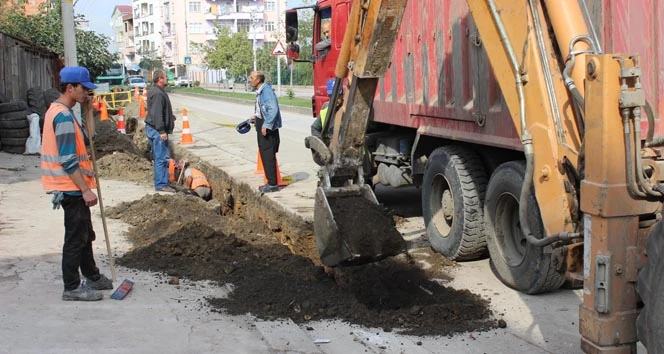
x=14 y=126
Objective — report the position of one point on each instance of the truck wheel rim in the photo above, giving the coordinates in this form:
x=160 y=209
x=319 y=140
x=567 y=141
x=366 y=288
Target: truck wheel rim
x=512 y=242
x=442 y=206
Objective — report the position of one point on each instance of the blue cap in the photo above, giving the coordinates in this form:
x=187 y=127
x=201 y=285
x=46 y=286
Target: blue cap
x=244 y=127
x=76 y=75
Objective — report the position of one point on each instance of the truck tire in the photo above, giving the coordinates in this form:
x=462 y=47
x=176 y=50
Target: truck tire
x=452 y=203
x=514 y=261
x=13 y=149
x=50 y=95
x=650 y=323
x=36 y=100
x=14 y=133
x=13 y=106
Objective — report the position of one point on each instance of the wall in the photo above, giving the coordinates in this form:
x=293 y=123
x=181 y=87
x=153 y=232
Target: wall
x=22 y=67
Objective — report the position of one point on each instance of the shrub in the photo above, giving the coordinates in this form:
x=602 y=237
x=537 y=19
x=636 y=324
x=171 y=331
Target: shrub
x=197 y=83
x=290 y=93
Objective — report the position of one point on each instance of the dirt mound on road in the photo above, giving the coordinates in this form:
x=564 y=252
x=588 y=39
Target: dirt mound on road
x=241 y=238
x=185 y=237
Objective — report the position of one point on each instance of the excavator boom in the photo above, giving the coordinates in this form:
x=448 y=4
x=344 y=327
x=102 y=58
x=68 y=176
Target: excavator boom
x=365 y=56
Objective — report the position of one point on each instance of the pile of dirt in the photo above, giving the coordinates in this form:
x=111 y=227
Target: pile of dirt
x=185 y=237
x=125 y=167
x=233 y=239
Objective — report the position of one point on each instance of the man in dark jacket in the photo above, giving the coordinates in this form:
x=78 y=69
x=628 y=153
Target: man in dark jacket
x=158 y=124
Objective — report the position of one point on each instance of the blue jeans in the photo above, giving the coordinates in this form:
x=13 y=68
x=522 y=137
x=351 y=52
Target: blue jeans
x=160 y=157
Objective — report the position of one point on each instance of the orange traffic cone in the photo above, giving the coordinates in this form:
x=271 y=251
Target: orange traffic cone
x=142 y=112
x=259 y=164
x=104 y=110
x=186 y=133
x=121 y=123
x=95 y=103
x=280 y=181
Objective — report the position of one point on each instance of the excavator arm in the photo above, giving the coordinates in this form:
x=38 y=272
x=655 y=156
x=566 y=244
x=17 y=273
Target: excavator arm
x=365 y=56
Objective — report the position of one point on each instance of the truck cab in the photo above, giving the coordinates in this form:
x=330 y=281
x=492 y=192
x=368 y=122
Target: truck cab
x=336 y=12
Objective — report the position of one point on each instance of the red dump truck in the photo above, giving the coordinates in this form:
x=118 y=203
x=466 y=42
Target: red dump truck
x=440 y=121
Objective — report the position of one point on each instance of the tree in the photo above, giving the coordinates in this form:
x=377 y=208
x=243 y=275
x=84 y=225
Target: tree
x=150 y=62
x=45 y=30
x=231 y=51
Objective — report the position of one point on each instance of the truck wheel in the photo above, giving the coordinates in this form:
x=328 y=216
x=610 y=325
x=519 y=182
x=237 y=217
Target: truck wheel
x=452 y=198
x=514 y=261
x=650 y=323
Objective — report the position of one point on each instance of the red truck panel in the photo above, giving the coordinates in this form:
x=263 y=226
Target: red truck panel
x=440 y=81
x=636 y=26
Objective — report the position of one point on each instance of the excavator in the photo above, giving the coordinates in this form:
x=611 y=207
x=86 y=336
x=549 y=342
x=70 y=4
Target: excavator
x=590 y=182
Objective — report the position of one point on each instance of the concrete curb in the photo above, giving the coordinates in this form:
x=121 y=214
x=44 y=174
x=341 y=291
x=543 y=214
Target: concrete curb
x=282 y=107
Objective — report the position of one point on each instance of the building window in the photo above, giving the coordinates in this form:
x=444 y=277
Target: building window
x=270 y=6
x=152 y=28
x=269 y=26
x=151 y=10
x=195 y=6
x=243 y=25
x=195 y=27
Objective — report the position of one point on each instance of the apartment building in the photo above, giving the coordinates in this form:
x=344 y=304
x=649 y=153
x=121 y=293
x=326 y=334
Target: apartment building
x=122 y=23
x=147 y=22
x=177 y=30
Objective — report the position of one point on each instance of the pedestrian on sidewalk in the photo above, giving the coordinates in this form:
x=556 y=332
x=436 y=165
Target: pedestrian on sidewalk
x=158 y=124
x=68 y=174
x=267 y=120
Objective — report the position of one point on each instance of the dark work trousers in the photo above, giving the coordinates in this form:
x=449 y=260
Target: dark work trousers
x=268 y=145
x=77 y=250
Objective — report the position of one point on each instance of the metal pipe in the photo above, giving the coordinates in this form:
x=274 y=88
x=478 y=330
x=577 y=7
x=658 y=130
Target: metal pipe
x=526 y=138
x=637 y=155
x=629 y=156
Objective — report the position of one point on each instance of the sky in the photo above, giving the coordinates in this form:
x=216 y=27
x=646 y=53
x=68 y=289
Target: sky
x=99 y=13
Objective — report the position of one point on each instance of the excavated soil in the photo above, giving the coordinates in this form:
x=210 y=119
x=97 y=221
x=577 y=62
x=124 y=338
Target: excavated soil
x=270 y=258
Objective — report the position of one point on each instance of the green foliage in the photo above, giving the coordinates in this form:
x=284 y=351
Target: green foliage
x=45 y=30
x=231 y=51
x=149 y=63
x=290 y=93
x=197 y=83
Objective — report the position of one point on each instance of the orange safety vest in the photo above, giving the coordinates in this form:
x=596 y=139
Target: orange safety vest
x=54 y=177
x=198 y=179
x=171 y=170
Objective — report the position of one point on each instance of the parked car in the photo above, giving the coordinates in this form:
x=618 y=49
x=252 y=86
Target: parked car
x=183 y=81
x=139 y=82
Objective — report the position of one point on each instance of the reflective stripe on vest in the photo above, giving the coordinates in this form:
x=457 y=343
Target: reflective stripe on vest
x=323 y=116
x=198 y=179
x=54 y=177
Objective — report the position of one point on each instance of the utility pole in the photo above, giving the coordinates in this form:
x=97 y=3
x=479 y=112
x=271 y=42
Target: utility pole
x=69 y=39
x=69 y=33
x=278 y=56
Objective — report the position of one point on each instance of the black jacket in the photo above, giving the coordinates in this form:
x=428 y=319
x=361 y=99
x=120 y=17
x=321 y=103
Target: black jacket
x=160 y=112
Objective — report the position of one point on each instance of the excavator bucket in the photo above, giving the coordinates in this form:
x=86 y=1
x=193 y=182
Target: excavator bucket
x=352 y=229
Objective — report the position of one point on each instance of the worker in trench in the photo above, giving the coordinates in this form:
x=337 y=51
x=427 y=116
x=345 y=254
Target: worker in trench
x=195 y=181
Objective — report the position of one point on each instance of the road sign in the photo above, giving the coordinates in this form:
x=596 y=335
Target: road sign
x=187 y=60
x=278 y=49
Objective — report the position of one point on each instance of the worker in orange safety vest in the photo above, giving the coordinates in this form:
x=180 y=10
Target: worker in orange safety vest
x=68 y=175
x=196 y=181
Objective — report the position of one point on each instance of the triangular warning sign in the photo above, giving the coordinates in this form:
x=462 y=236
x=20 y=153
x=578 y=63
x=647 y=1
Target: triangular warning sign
x=278 y=49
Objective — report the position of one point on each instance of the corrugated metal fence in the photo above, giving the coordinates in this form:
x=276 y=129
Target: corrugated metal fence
x=23 y=66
